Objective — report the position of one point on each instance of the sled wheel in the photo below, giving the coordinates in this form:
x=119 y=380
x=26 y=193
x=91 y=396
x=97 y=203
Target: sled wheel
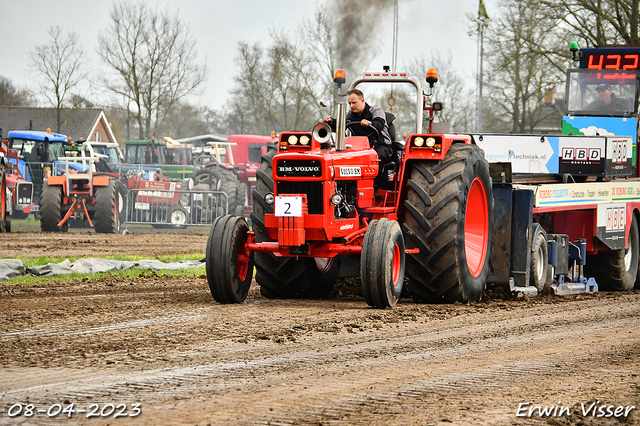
x=51 y=209
x=539 y=262
x=617 y=269
x=382 y=263
x=449 y=218
x=229 y=269
x=108 y=208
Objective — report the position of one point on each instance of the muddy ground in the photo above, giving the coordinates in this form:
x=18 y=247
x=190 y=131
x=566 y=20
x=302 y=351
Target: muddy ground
x=163 y=343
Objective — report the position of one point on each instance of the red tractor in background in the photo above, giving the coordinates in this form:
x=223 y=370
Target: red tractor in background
x=5 y=223
x=232 y=168
x=315 y=203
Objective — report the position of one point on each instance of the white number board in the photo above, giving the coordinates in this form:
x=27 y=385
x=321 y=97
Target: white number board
x=288 y=206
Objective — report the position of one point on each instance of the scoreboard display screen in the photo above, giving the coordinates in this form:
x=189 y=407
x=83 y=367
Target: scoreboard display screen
x=611 y=58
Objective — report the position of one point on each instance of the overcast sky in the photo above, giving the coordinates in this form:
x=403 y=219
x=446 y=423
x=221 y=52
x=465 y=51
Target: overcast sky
x=218 y=25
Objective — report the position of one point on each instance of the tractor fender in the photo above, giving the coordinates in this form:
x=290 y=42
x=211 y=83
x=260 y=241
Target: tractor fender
x=57 y=180
x=101 y=180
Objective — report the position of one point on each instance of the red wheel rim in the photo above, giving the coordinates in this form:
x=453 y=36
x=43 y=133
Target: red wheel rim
x=243 y=261
x=396 y=264
x=476 y=227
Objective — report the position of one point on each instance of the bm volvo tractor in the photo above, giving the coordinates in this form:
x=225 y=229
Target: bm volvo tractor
x=319 y=202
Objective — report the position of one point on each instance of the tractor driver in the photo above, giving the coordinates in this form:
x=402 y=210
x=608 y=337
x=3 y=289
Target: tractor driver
x=607 y=100
x=368 y=116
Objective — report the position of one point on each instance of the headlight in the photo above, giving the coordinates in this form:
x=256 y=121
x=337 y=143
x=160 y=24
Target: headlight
x=27 y=200
x=336 y=199
x=431 y=142
x=20 y=200
x=269 y=198
x=304 y=140
x=419 y=141
x=293 y=139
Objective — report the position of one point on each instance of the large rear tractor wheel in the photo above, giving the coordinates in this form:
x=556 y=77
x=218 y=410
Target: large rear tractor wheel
x=109 y=209
x=617 y=270
x=51 y=209
x=229 y=269
x=210 y=176
x=449 y=217
x=229 y=187
x=278 y=277
x=382 y=263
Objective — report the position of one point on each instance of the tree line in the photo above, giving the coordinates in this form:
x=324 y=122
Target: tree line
x=151 y=72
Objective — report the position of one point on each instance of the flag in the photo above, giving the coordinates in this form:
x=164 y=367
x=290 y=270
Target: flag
x=482 y=11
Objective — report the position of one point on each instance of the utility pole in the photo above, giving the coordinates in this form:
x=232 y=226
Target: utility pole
x=483 y=21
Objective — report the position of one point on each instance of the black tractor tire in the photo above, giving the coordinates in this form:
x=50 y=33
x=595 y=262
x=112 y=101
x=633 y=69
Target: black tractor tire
x=51 y=209
x=109 y=208
x=242 y=196
x=617 y=270
x=382 y=263
x=278 y=277
x=229 y=187
x=449 y=218
x=539 y=261
x=210 y=176
x=229 y=270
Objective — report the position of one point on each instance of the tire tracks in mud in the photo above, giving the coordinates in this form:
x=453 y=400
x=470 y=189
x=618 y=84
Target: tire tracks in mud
x=347 y=379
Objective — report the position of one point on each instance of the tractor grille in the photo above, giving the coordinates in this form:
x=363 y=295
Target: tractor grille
x=312 y=189
x=24 y=190
x=307 y=168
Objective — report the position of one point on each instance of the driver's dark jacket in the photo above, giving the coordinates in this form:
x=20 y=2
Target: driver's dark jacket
x=377 y=118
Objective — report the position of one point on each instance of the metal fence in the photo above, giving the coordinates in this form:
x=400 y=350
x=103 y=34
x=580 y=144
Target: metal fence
x=175 y=208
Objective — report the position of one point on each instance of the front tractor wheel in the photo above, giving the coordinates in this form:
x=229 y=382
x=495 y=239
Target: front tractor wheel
x=51 y=209
x=382 y=263
x=229 y=269
x=109 y=208
x=449 y=217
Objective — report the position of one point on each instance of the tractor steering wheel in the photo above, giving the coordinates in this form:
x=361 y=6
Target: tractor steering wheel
x=357 y=123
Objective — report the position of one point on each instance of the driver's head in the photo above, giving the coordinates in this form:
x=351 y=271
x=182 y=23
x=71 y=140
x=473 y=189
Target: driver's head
x=604 y=92
x=355 y=99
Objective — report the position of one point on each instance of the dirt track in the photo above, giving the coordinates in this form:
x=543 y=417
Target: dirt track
x=164 y=343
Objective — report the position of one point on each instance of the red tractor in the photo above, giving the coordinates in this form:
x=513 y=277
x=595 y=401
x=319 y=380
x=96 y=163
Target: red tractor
x=317 y=203
x=5 y=223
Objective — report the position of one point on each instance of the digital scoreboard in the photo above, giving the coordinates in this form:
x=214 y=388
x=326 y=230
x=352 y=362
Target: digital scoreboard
x=611 y=58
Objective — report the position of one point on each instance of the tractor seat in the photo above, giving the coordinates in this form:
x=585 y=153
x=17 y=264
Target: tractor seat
x=397 y=146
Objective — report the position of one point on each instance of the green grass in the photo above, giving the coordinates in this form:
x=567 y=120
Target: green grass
x=28 y=280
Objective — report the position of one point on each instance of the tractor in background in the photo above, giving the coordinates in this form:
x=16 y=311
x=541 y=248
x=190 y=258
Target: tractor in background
x=84 y=194
x=5 y=222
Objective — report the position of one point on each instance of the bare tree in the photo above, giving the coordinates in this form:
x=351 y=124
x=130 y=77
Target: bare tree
x=248 y=108
x=599 y=22
x=153 y=58
x=60 y=65
x=10 y=95
x=519 y=71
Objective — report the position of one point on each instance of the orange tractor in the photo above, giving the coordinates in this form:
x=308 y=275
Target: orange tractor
x=83 y=193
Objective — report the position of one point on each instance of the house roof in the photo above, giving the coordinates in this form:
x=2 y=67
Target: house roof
x=77 y=123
